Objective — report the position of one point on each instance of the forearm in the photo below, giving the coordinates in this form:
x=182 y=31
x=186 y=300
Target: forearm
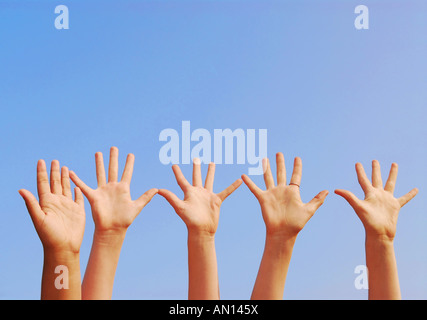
x=382 y=269
x=102 y=265
x=202 y=267
x=270 y=281
x=61 y=278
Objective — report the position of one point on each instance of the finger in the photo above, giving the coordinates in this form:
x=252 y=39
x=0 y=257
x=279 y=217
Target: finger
x=268 y=176
x=33 y=206
x=377 y=181
x=143 y=200
x=173 y=200
x=55 y=178
x=297 y=172
x=252 y=186
x=317 y=201
x=128 y=170
x=281 y=169
x=180 y=179
x=100 y=169
x=407 y=197
x=197 y=173
x=392 y=177
x=113 y=168
x=362 y=178
x=78 y=196
x=81 y=185
x=210 y=177
x=43 y=186
x=65 y=179
x=229 y=190
x=350 y=197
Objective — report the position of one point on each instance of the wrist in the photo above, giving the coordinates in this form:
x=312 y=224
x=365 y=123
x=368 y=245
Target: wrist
x=59 y=256
x=378 y=244
x=200 y=235
x=281 y=235
x=109 y=238
x=63 y=249
x=280 y=240
x=371 y=238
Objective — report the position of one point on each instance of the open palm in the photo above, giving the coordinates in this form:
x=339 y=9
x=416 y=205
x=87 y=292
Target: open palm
x=59 y=220
x=379 y=210
x=111 y=203
x=201 y=206
x=282 y=208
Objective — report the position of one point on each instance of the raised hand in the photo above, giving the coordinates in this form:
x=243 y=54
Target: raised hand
x=113 y=212
x=59 y=221
x=378 y=213
x=201 y=206
x=379 y=210
x=285 y=215
x=282 y=209
x=200 y=210
x=111 y=203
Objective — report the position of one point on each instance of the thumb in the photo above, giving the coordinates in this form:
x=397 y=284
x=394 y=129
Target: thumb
x=407 y=197
x=143 y=200
x=317 y=201
x=33 y=206
x=350 y=197
x=173 y=200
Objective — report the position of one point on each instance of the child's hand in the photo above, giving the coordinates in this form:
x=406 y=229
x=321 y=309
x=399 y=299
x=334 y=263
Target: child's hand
x=111 y=203
x=283 y=211
x=59 y=220
x=200 y=208
x=379 y=210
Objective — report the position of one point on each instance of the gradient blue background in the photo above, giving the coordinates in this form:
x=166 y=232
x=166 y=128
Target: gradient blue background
x=126 y=70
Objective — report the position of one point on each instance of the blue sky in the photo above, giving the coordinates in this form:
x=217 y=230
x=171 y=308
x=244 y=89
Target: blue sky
x=126 y=70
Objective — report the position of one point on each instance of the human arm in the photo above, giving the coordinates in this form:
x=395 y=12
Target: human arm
x=285 y=215
x=200 y=211
x=113 y=211
x=379 y=212
x=59 y=221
